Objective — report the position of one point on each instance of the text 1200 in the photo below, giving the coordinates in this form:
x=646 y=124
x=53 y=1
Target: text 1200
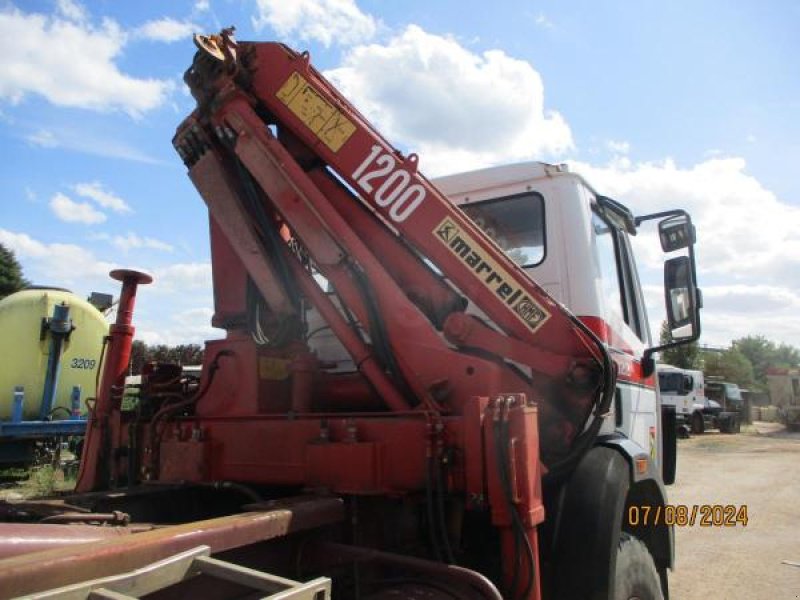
x=396 y=191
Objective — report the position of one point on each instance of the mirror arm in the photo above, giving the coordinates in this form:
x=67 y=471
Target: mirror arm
x=678 y=212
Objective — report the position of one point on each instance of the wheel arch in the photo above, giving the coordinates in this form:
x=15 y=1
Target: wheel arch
x=591 y=515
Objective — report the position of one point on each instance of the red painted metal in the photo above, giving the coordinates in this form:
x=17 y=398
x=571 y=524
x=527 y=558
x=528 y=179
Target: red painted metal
x=319 y=191
x=103 y=429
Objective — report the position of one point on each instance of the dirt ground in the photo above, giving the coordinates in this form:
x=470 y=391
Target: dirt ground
x=760 y=468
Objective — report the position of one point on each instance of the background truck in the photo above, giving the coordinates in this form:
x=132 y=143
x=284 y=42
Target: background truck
x=723 y=407
x=683 y=389
x=403 y=404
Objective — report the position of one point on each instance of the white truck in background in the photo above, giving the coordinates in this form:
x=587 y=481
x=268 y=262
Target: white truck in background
x=683 y=389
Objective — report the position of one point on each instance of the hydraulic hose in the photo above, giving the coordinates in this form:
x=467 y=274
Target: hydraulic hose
x=584 y=441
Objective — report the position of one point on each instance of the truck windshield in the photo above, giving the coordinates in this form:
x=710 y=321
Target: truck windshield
x=515 y=223
x=732 y=392
x=669 y=383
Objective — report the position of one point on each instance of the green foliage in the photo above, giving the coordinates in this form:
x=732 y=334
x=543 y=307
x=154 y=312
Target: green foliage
x=183 y=354
x=11 y=279
x=685 y=356
x=43 y=480
x=731 y=365
x=763 y=353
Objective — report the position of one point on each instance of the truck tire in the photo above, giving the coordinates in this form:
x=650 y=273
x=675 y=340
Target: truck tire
x=636 y=577
x=697 y=424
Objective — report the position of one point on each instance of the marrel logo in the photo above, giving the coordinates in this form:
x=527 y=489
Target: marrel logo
x=491 y=274
x=529 y=310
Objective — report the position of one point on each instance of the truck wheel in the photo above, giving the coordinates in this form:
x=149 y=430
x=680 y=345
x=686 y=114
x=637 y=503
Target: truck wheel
x=697 y=423
x=636 y=577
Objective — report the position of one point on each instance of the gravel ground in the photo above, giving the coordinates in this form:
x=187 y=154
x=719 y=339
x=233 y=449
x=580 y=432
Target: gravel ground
x=759 y=468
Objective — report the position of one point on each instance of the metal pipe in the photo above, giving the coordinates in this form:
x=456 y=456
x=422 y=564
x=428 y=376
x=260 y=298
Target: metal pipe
x=335 y=553
x=59 y=327
x=75 y=402
x=114 y=518
x=97 y=465
x=38 y=571
x=23 y=538
x=17 y=404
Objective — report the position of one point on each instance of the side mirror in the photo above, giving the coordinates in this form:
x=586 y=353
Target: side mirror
x=676 y=232
x=688 y=384
x=680 y=296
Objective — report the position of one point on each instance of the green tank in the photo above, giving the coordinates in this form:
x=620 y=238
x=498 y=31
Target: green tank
x=25 y=349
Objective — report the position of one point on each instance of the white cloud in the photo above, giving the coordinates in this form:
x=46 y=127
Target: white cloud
x=75 y=212
x=202 y=6
x=458 y=109
x=56 y=263
x=618 y=147
x=743 y=229
x=189 y=326
x=175 y=309
x=183 y=277
x=131 y=241
x=748 y=249
x=74 y=11
x=102 y=197
x=324 y=21
x=71 y=62
x=43 y=138
x=81 y=140
x=167 y=30
x=542 y=21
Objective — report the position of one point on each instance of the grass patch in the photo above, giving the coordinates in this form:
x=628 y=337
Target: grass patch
x=44 y=480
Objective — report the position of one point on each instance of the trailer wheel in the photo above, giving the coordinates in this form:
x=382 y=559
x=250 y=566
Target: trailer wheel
x=697 y=423
x=636 y=577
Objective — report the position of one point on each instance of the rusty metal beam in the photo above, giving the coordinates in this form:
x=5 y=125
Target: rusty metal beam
x=62 y=566
x=22 y=538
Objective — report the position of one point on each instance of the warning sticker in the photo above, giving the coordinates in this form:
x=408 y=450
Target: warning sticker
x=319 y=115
x=491 y=274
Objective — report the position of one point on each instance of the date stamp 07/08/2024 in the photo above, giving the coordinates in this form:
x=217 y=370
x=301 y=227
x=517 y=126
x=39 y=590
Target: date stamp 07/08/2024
x=686 y=515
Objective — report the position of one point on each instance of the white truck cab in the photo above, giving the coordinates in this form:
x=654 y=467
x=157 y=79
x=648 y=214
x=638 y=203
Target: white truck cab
x=575 y=243
x=683 y=389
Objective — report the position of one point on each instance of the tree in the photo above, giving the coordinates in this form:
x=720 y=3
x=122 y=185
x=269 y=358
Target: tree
x=683 y=357
x=138 y=356
x=731 y=365
x=763 y=353
x=11 y=279
x=183 y=354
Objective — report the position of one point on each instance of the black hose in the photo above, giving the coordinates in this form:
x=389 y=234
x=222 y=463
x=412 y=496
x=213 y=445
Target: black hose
x=502 y=442
x=60 y=408
x=442 y=520
x=517 y=520
x=501 y=470
x=106 y=339
x=585 y=440
x=432 y=524
x=269 y=236
x=377 y=328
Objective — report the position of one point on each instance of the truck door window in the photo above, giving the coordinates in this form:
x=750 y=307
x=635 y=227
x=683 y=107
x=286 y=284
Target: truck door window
x=620 y=284
x=635 y=315
x=606 y=247
x=515 y=223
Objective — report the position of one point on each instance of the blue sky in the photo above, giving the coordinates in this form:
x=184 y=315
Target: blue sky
x=690 y=104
